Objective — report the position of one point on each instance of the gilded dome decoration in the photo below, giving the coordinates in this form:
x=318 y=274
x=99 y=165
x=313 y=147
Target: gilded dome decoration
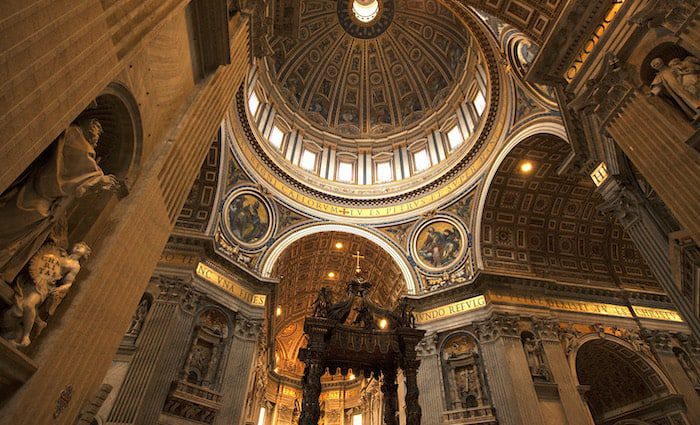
x=379 y=77
x=367 y=120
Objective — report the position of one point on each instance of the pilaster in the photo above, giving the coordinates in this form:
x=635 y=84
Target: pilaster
x=239 y=366
x=547 y=329
x=158 y=359
x=430 y=380
x=507 y=371
x=627 y=207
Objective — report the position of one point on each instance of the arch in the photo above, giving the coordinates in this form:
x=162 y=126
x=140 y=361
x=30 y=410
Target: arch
x=547 y=126
x=268 y=261
x=623 y=384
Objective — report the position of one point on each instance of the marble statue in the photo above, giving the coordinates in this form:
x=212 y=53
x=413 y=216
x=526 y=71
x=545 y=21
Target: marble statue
x=138 y=318
x=322 y=302
x=51 y=274
x=31 y=207
x=535 y=358
x=680 y=80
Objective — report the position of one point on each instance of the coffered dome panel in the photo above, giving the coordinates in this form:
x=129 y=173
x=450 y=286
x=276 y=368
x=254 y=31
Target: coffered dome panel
x=379 y=78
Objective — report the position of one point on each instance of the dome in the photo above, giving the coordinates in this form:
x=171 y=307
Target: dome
x=370 y=103
x=359 y=79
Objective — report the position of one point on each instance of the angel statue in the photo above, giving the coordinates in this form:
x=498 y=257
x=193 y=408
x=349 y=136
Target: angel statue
x=404 y=314
x=49 y=277
x=322 y=303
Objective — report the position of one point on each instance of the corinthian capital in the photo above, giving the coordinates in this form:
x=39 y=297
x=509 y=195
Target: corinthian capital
x=499 y=324
x=620 y=201
x=546 y=328
x=178 y=289
x=427 y=346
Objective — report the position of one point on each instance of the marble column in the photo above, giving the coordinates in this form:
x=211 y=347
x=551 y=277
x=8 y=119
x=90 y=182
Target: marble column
x=430 y=381
x=237 y=376
x=390 y=394
x=413 y=408
x=507 y=371
x=575 y=409
x=628 y=208
x=310 y=409
x=163 y=344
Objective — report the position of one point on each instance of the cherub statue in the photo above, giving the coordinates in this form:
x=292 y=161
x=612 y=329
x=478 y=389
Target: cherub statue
x=51 y=273
x=322 y=302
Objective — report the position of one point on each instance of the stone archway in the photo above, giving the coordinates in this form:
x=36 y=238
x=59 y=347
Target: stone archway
x=622 y=386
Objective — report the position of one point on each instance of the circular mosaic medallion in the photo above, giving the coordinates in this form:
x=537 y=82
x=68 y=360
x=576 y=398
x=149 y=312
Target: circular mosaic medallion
x=365 y=30
x=439 y=244
x=248 y=218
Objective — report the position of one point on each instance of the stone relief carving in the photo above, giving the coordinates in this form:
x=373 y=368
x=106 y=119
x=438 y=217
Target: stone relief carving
x=680 y=81
x=51 y=274
x=38 y=200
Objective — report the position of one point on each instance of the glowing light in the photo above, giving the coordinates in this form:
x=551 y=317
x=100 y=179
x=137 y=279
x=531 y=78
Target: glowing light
x=276 y=137
x=526 y=166
x=365 y=10
x=278 y=311
x=308 y=160
x=338 y=245
x=351 y=376
x=261 y=416
x=357 y=419
x=253 y=103
x=383 y=323
x=331 y=274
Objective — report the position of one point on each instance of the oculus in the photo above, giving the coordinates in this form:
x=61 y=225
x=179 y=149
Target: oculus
x=439 y=244
x=247 y=218
x=365 y=10
x=365 y=19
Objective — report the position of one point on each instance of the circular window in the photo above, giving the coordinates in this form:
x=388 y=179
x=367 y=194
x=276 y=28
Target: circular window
x=365 y=10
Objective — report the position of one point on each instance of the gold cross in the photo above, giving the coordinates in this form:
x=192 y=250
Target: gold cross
x=358 y=257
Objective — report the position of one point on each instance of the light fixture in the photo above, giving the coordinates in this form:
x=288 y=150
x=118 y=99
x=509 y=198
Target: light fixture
x=338 y=245
x=365 y=10
x=526 y=166
x=351 y=376
x=382 y=324
x=278 y=311
x=331 y=274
